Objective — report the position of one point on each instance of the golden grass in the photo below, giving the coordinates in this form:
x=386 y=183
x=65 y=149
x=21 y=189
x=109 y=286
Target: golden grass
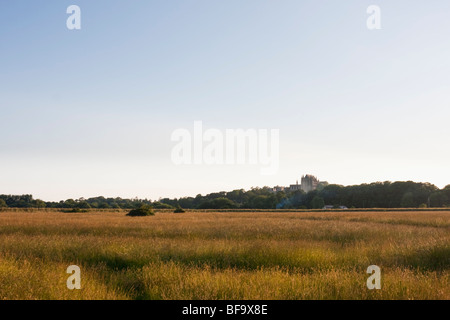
x=227 y=255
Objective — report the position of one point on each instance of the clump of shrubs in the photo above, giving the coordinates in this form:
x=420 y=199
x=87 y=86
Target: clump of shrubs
x=74 y=210
x=143 y=211
x=179 y=209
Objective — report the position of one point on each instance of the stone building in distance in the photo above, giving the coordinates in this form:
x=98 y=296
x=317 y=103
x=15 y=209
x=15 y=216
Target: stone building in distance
x=308 y=183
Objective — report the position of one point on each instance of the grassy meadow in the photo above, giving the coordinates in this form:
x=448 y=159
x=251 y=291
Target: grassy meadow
x=225 y=255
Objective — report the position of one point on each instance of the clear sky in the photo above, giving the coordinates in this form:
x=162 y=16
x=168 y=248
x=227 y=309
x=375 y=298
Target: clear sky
x=90 y=112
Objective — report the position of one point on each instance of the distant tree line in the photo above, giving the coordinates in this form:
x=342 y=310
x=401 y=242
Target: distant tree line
x=375 y=195
x=27 y=201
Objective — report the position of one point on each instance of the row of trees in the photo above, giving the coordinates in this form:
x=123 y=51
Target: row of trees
x=27 y=201
x=375 y=195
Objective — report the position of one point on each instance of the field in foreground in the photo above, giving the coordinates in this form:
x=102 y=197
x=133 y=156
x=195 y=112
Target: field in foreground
x=232 y=255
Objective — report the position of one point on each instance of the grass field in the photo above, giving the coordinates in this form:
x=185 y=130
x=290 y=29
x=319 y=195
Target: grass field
x=226 y=255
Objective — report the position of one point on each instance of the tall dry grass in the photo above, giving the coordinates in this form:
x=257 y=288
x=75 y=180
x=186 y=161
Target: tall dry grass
x=227 y=255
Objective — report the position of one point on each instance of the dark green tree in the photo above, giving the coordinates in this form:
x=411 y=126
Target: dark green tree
x=317 y=202
x=38 y=203
x=407 y=200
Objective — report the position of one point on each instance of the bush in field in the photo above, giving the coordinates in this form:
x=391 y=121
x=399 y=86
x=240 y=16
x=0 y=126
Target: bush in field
x=179 y=210
x=76 y=210
x=142 y=211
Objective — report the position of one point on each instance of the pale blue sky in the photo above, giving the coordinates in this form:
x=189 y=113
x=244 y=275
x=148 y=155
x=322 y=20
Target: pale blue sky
x=90 y=112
